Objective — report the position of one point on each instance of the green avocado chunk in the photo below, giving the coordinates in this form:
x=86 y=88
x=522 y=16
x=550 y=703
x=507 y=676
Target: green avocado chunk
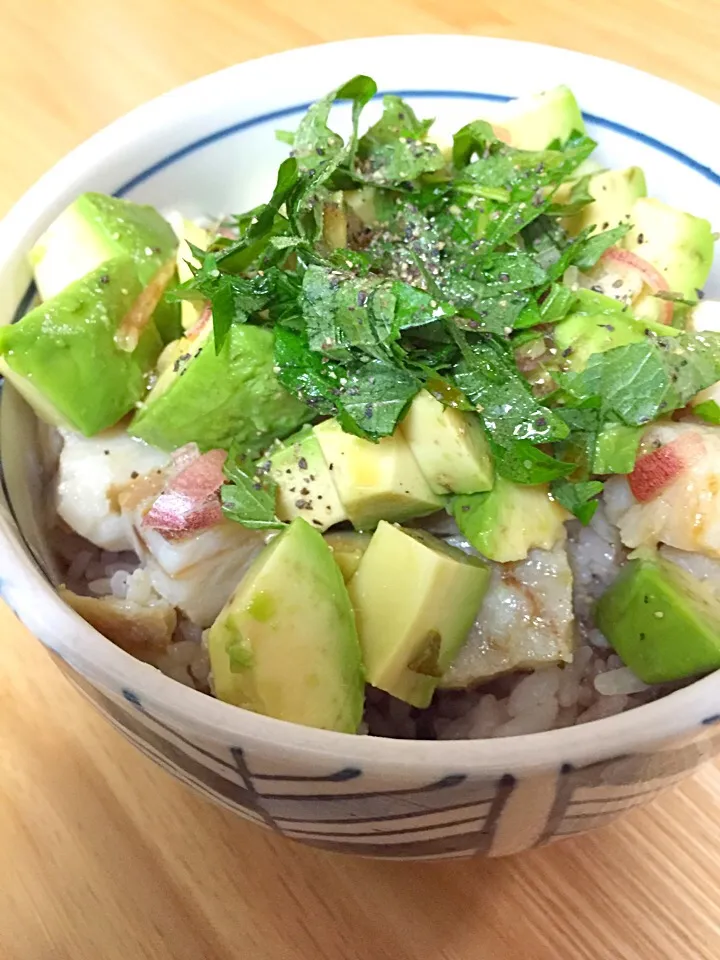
x=82 y=358
x=285 y=644
x=415 y=599
x=663 y=623
x=614 y=193
x=679 y=245
x=449 y=446
x=506 y=523
x=534 y=122
x=375 y=481
x=215 y=399
x=96 y=228
x=581 y=334
x=305 y=485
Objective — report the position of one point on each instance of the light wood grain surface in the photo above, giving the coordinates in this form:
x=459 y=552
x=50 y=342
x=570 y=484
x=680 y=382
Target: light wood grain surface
x=102 y=855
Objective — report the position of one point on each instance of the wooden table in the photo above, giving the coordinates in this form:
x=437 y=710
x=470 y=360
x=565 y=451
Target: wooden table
x=102 y=855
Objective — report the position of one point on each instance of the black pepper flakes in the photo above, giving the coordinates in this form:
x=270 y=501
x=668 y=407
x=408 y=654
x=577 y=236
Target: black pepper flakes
x=641 y=238
x=104 y=278
x=302 y=463
x=134 y=475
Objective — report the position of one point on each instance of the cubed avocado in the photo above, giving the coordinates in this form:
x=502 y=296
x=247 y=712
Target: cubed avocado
x=375 y=481
x=614 y=192
x=285 y=644
x=534 y=122
x=580 y=335
x=348 y=548
x=679 y=245
x=82 y=358
x=214 y=399
x=96 y=228
x=305 y=486
x=663 y=623
x=415 y=599
x=506 y=523
x=449 y=446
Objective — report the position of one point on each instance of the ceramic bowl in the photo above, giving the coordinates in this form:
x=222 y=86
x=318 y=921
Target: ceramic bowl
x=209 y=147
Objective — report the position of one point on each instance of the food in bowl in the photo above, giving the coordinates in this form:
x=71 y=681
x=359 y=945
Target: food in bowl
x=424 y=446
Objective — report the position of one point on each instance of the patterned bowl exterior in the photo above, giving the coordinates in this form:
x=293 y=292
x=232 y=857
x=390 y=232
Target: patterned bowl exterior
x=185 y=148
x=348 y=810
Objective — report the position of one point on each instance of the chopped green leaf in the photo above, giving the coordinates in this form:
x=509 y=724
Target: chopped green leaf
x=487 y=375
x=578 y=498
x=248 y=498
x=524 y=463
x=578 y=198
x=394 y=150
x=474 y=139
x=589 y=250
x=315 y=143
x=376 y=396
x=640 y=381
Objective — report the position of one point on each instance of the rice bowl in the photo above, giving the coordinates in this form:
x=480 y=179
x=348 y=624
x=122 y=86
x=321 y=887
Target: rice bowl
x=488 y=711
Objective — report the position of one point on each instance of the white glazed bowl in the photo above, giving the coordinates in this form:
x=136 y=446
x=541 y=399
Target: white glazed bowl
x=209 y=147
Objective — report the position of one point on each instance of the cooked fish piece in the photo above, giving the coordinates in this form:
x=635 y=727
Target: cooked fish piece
x=676 y=499
x=194 y=556
x=145 y=631
x=92 y=474
x=526 y=620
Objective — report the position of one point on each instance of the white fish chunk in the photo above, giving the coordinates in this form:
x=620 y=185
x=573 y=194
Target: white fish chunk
x=198 y=573
x=92 y=473
x=686 y=513
x=525 y=622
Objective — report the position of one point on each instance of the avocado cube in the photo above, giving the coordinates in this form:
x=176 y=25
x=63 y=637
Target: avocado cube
x=534 y=122
x=614 y=193
x=415 y=599
x=679 y=245
x=305 y=486
x=449 y=446
x=375 y=481
x=348 y=548
x=506 y=523
x=663 y=623
x=217 y=399
x=580 y=334
x=96 y=228
x=285 y=644
x=82 y=358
